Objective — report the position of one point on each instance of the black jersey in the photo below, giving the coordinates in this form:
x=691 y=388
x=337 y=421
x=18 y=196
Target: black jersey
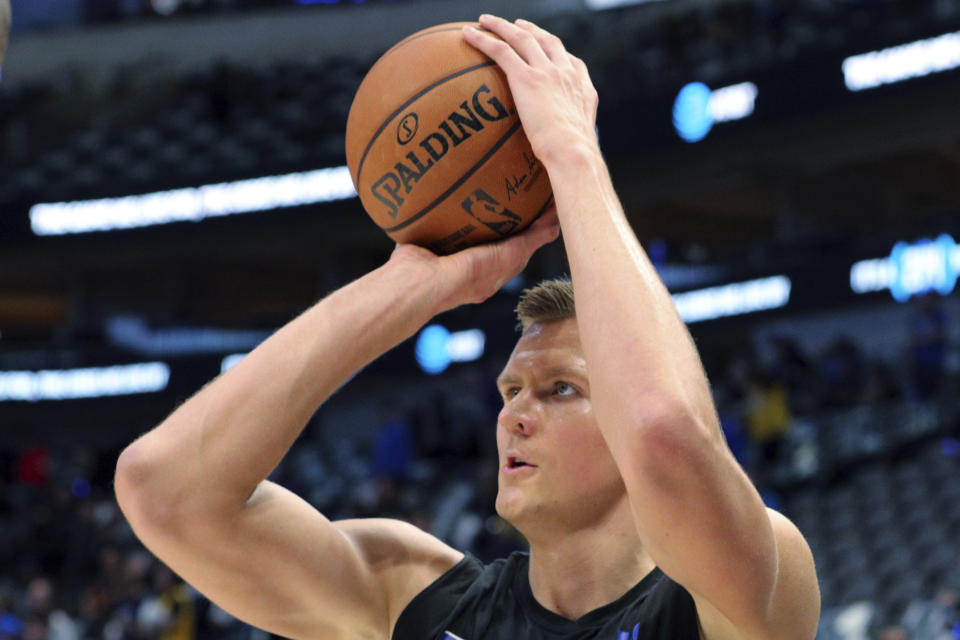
x=473 y=601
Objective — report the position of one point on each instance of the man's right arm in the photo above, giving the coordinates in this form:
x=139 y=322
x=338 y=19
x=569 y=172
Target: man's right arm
x=194 y=488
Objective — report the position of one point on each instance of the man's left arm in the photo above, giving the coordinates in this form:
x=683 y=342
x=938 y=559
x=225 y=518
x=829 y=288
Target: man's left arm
x=699 y=516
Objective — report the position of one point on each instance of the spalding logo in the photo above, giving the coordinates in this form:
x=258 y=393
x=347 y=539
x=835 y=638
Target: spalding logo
x=452 y=131
x=407 y=128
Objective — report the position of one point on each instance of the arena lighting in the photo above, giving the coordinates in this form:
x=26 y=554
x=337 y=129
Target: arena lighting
x=92 y=382
x=165 y=7
x=733 y=299
x=230 y=361
x=903 y=62
x=697 y=108
x=133 y=333
x=436 y=347
x=911 y=270
x=192 y=203
x=600 y=5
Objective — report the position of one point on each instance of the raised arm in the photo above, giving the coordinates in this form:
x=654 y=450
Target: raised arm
x=697 y=513
x=194 y=487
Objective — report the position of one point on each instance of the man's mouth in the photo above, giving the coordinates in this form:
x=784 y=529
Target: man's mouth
x=514 y=462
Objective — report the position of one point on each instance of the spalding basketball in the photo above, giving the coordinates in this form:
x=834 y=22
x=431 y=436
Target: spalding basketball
x=436 y=149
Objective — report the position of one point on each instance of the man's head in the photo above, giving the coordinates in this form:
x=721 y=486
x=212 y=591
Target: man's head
x=556 y=471
x=4 y=26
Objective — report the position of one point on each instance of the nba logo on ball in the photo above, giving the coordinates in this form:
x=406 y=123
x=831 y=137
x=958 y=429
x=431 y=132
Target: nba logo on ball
x=436 y=149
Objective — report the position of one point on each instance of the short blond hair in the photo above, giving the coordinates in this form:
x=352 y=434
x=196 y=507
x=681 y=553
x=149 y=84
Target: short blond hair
x=549 y=301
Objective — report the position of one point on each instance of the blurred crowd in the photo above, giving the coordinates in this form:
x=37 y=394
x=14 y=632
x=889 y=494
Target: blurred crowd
x=72 y=568
x=759 y=395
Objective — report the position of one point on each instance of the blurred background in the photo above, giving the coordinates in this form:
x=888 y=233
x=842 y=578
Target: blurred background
x=172 y=191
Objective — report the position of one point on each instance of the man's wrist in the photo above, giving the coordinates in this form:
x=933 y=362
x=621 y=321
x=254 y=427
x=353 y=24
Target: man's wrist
x=573 y=158
x=420 y=281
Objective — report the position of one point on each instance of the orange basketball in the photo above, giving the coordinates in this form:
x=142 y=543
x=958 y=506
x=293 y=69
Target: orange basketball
x=436 y=149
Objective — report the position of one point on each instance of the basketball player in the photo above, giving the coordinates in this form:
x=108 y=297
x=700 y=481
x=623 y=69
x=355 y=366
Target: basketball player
x=641 y=525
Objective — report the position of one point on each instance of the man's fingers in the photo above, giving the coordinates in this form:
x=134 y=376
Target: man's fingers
x=515 y=251
x=544 y=230
x=497 y=50
x=550 y=43
x=548 y=223
x=520 y=40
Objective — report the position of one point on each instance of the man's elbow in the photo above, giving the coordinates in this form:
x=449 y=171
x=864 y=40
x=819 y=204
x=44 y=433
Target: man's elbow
x=137 y=485
x=672 y=434
x=128 y=483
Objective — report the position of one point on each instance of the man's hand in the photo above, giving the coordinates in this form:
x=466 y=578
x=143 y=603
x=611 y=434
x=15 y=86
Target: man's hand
x=473 y=275
x=551 y=88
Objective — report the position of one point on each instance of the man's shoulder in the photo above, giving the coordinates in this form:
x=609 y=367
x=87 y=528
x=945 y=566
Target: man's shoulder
x=404 y=558
x=795 y=605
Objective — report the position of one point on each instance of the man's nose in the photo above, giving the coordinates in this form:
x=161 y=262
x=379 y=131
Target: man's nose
x=520 y=415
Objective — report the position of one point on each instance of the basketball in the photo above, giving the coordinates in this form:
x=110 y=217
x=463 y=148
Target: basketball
x=436 y=149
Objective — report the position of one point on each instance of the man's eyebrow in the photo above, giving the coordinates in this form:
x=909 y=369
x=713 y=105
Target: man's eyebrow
x=564 y=372
x=551 y=372
x=503 y=379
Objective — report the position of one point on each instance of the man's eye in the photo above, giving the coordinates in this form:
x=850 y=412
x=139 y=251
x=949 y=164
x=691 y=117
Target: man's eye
x=564 y=389
x=512 y=391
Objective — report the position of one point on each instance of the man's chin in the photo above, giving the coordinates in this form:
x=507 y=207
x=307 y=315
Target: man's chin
x=505 y=508
x=511 y=505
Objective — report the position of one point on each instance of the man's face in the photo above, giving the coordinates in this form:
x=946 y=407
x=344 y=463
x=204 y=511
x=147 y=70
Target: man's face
x=547 y=421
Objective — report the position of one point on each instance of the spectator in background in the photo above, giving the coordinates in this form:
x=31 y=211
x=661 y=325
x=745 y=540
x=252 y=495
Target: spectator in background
x=33 y=465
x=928 y=346
x=843 y=374
x=391 y=459
x=933 y=619
x=894 y=633
x=883 y=384
x=467 y=415
x=393 y=447
x=170 y=614
x=951 y=579
x=44 y=621
x=729 y=398
x=792 y=367
x=767 y=416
